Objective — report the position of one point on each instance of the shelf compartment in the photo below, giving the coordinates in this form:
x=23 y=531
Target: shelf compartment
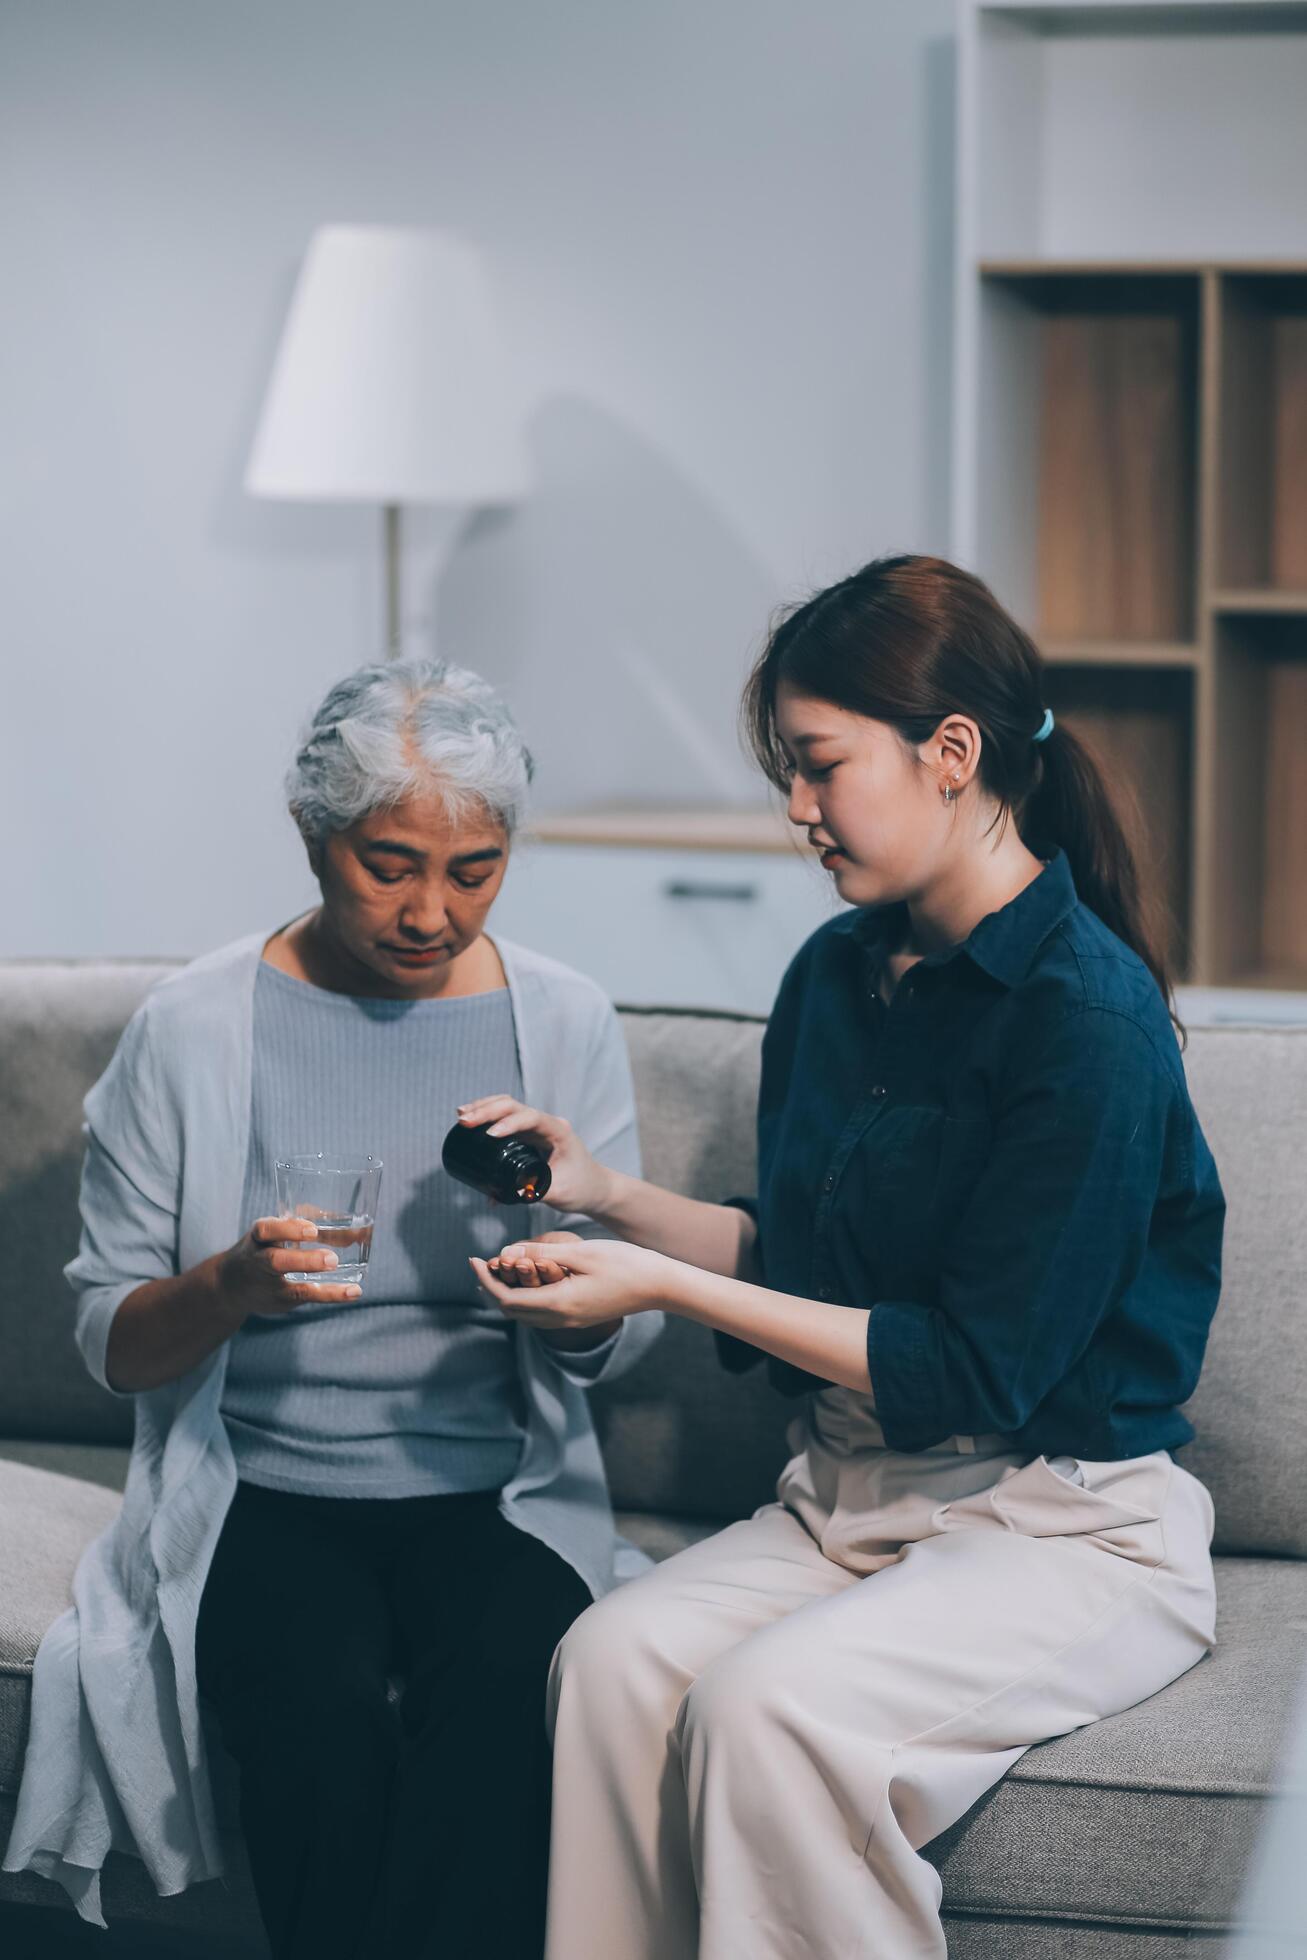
x=1135 y=131
x=1095 y=380
x=1260 y=827
x=1139 y=723
x=1262 y=493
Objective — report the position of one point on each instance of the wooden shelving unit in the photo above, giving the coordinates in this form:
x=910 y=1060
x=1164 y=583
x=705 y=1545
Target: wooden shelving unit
x=1131 y=404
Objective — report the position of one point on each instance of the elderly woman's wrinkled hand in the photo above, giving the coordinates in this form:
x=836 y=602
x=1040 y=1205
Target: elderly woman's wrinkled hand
x=252 y=1276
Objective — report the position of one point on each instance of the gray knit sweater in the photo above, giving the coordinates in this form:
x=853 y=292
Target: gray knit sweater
x=414 y=1389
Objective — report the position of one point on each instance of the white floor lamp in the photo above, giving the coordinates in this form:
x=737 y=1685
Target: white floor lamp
x=391 y=386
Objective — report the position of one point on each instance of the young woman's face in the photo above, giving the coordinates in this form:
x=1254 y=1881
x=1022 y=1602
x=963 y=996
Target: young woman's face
x=405 y=891
x=870 y=804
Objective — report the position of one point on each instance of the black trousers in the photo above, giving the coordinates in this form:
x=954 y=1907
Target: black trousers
x=376 y=1830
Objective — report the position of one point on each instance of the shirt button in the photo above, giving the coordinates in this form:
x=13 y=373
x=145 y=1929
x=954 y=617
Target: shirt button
x=823 y=1293
x=880 y=1090
x=828 y=1184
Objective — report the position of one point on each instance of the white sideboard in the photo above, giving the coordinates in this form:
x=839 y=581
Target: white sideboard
x=672 y=908
x=684 y=908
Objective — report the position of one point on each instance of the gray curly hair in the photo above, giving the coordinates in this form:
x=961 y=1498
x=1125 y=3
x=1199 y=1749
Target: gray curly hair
x=386 y=731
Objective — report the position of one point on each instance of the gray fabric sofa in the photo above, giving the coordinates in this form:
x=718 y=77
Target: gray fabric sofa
x=1127 y=1839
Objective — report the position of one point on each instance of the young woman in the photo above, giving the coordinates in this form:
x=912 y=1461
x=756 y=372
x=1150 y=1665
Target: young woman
x=986 y=1244
x=331 y=1494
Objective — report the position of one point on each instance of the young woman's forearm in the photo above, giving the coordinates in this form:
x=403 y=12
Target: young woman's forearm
x=718 y=1238
x=823 y=1339
x=166 y=1327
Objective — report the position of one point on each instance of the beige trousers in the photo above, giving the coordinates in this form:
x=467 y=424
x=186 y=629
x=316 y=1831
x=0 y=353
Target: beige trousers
x=753 y=1741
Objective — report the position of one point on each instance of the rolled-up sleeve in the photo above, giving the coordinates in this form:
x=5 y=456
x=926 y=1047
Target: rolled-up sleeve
x=130 y=1195
x=1053 y=1233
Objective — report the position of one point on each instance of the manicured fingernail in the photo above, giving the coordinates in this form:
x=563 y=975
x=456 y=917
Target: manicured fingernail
x=331 y=1259
x=353 y=1292
x=309 y=1227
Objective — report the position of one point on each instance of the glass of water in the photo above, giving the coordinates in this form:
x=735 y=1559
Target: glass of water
x=339 y=1194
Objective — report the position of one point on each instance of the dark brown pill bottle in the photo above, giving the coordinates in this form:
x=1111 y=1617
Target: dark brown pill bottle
x=508 y=1169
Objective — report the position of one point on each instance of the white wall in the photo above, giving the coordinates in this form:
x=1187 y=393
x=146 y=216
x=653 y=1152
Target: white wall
x=720 y=234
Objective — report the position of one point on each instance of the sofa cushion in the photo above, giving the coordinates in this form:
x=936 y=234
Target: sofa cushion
x=998 y=1937
x=680 y=1435
x=1167 y=1795
x=46 y=1521
x=59 y=1024
x=1249 y=1086
x=93 y=1463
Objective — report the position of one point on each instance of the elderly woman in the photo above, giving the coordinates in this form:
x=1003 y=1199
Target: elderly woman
x=329 y=1493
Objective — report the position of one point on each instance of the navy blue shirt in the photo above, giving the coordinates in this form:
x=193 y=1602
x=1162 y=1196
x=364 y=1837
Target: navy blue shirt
x=1003 y=1165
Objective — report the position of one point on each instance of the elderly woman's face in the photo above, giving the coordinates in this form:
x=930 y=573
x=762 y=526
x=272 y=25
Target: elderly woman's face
x=405 y=891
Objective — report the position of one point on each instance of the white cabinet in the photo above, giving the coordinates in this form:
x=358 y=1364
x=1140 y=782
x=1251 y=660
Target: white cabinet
x=666 y=926
x=660 y=921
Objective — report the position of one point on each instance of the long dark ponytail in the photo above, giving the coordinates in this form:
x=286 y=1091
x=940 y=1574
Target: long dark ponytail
x=909 y=640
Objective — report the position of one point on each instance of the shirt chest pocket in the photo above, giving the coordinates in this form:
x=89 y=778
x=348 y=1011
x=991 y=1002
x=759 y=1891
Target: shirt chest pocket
x=911 y=1174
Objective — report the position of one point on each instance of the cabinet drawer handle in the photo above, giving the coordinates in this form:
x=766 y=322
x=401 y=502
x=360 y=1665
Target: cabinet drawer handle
x=699 y=888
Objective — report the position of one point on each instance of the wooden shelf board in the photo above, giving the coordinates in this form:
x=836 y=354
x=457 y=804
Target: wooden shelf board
x=1270 y=980
x=1122 y=18
x=1138 y=268
x=1118 y=653
x=670 y=829
x=1260 y=599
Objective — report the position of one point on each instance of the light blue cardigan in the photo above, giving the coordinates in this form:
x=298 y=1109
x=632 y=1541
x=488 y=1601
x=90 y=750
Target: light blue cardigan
x=115 y=1757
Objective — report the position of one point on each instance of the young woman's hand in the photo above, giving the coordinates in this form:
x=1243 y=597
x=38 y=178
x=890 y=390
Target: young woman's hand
x=577 y=1182
x=598 y=1280
x=251 y=1277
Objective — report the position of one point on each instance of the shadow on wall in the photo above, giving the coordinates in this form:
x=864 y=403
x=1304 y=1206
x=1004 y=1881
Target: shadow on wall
x=619 y=611
x=293 y=534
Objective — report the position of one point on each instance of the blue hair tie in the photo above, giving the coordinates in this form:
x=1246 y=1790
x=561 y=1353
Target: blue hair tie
x=1045 y=728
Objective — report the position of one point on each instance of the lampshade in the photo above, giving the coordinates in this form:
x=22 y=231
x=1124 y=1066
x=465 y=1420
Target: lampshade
x=391 y=384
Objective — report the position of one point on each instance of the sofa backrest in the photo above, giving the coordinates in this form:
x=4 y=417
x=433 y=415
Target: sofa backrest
x=679 y=1434
x=59 y=1024
x=1249 y=1086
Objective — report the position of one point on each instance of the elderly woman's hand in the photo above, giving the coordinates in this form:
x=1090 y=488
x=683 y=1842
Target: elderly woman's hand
x=252 y=1276
x=599 y=1280
x=576 y=1181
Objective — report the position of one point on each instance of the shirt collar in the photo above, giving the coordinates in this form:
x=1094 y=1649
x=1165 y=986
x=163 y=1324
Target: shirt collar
x=1003 y=944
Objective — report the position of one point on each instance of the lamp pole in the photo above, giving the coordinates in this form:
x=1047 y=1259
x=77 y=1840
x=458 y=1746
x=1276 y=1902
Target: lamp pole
x=390 y=522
